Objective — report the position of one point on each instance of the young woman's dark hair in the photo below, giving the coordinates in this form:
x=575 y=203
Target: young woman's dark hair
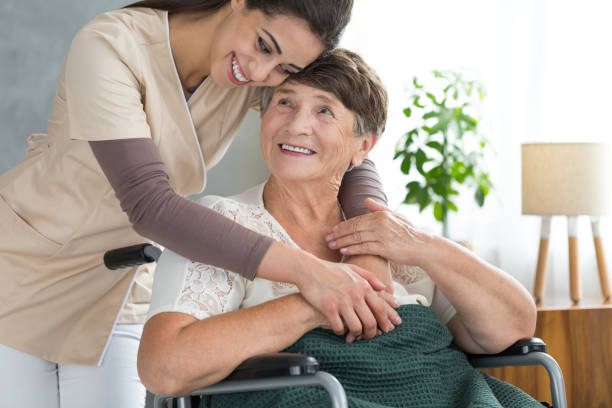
x=326 y=18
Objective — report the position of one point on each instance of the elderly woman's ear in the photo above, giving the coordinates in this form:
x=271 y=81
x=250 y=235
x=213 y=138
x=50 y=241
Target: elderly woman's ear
x=366 y=143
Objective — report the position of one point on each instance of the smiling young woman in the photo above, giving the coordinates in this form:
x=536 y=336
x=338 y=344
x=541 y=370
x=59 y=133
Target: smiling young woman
x=149 y=98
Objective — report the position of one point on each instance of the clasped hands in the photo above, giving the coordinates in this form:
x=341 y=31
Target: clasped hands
x=353 y=299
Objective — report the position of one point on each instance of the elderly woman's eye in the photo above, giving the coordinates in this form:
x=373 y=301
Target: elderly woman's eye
x=284 y=102
x=326 y=111
x=262 y=46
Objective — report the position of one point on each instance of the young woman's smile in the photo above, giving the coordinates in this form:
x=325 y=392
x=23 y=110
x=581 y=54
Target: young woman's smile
x=251 y=48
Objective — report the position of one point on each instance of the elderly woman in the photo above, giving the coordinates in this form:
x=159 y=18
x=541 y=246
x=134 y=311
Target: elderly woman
x=314 y=126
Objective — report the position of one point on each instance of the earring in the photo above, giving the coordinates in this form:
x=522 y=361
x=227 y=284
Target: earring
x=350 y=167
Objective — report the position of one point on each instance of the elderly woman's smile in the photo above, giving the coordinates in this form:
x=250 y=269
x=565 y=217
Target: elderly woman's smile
x=296 y=150
x=307 y=133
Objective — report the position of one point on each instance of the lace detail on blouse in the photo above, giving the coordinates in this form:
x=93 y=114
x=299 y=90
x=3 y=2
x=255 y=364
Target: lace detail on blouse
x=207 y=288
x=406 y=275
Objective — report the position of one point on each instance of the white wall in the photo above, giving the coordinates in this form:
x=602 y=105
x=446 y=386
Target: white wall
x=546 y=66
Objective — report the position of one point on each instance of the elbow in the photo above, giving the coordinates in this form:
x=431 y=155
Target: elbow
x=523 y=328
x=156 y=374
x=162 y=372
x=525 y=324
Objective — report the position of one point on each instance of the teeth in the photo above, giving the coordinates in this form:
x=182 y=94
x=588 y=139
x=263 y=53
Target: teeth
x=237 y=71
x=296 y=149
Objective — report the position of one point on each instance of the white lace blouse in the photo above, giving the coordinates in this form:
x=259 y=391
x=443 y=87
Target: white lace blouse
x=202 y=290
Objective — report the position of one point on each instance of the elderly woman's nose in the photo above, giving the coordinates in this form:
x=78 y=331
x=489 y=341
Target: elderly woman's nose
x=300 y=122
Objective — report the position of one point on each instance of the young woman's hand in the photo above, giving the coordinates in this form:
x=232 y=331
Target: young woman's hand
x=391 y=303
x=345 y=294
x=383 y=233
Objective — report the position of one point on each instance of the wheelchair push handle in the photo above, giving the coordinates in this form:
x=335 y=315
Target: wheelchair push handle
x=131 y=256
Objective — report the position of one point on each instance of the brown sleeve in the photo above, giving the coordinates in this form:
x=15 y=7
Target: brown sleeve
x=136 y=172
x=357 y=185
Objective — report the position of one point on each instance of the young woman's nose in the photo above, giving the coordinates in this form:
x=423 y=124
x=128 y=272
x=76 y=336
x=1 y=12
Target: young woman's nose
x=264 y=70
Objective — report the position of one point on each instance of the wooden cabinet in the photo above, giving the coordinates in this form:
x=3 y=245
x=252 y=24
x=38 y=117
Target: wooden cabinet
x=580 y=339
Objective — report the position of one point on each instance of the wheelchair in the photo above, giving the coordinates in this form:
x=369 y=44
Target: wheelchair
x=280 y=370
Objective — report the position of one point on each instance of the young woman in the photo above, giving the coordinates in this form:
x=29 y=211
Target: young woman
x=150 y=97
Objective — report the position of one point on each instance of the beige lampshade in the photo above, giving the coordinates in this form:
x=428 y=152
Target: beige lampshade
x=567 y=178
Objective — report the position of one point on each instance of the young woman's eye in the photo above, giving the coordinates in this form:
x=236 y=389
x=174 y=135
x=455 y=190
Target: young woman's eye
x=262 y=46
x=284 y=70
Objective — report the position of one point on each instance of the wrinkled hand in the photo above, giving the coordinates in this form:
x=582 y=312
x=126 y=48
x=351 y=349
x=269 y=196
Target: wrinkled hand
x=382 y=232
x=389 y=300
x=345 y=295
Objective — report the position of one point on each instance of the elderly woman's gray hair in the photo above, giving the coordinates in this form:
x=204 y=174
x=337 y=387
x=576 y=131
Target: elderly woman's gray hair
x=345 y=75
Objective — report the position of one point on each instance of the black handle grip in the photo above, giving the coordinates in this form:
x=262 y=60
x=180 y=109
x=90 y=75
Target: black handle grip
x=131 y=256
x=521 y=347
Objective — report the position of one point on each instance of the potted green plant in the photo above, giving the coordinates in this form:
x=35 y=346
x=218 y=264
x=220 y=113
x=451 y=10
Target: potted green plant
x=445 y=149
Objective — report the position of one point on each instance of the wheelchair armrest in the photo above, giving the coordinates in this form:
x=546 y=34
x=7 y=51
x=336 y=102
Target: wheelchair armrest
x=275 y=365
x=131 y=256
x=521 y=347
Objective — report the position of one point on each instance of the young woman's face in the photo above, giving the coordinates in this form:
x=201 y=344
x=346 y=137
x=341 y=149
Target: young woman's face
x=307 y=135
x=251 y=48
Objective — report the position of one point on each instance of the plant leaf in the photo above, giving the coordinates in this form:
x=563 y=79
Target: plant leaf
x=416 y=103
x=406 y=163
x=432 y=97
x=438 y=211
x=452 y=206
x=407 y=112
x=416 y=84
x=420 y=159
x=435 y=145
x=414 y=188
x=479 y=196
x=424 y=199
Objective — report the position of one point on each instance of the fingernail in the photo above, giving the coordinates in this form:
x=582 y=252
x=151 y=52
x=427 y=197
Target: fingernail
x=389 y=328
x=343 y=250
x=378 y=332
x=336 y=228
x=396 y=302
x=332 y=244
x=359 y=338
x=350 y=338
x=397 y=320
x=329 y=237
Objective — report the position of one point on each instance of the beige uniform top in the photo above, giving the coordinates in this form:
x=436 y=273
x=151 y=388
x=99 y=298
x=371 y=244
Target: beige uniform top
x=58 y=212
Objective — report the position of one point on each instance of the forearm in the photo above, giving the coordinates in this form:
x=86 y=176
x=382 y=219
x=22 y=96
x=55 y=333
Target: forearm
x=175 y=358
x=135 y=170
x=358 y=184
x=375 y=264
x=494 y=308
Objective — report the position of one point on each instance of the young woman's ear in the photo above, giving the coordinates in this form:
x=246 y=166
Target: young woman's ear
x=366 y=143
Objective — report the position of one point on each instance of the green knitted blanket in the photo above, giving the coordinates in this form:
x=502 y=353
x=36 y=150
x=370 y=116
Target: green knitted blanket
x=413 y=366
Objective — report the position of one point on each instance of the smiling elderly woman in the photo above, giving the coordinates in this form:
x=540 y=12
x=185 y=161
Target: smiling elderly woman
x=314 y=126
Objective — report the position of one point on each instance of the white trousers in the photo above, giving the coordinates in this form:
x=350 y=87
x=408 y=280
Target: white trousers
x=28 y=381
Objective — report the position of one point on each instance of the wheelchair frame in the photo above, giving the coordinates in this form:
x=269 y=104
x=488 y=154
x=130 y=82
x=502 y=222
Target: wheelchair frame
x=280 y=370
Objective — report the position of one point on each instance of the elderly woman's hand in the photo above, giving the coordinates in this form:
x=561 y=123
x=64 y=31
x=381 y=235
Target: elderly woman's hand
x=383 y=233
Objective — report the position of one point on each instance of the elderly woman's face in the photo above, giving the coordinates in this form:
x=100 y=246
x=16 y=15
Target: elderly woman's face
x=307 y=135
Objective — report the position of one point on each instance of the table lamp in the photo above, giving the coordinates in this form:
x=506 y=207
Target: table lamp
x=568 y=179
